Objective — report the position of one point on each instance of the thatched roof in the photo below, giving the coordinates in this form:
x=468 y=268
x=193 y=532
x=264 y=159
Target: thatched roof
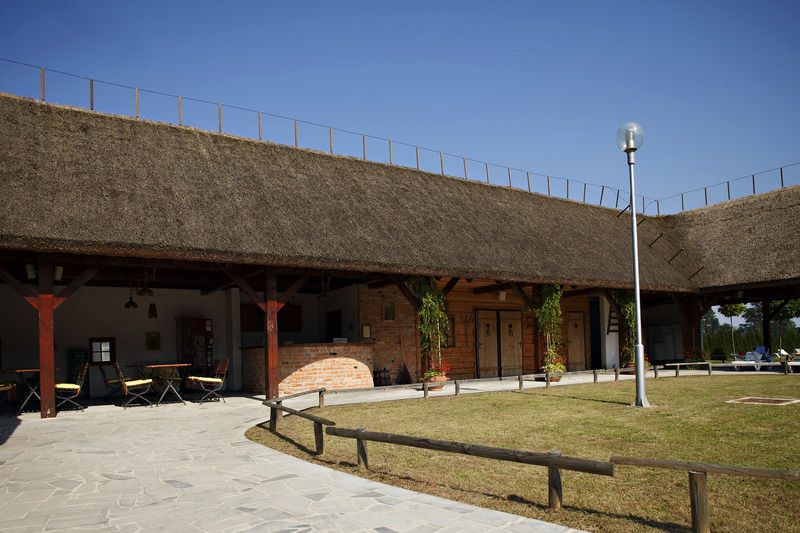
x=82 y=182
x=750 y=240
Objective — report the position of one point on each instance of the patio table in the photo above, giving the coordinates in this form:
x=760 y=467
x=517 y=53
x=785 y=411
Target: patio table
x=33 y=390
x=165 y=375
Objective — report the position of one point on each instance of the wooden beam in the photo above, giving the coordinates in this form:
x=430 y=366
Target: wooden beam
x=529 y=301
x=292 y=290
x=245 y=287
x=47 y=374
x=408 y=293
x=450 y=285
x=271 y=335
x=499 y=286
x=379 y=283
x=581 y=292
x=76 y=284
x=19 y=288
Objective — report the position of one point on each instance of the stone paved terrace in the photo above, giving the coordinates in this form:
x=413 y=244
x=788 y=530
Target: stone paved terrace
x=189 y=468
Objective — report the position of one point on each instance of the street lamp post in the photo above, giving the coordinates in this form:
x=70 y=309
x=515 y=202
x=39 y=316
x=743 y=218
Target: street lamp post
x=629 y=139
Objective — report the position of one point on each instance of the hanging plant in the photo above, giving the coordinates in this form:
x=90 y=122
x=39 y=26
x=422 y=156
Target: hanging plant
x=628 y=308
x=432 y=325
x=549 y=316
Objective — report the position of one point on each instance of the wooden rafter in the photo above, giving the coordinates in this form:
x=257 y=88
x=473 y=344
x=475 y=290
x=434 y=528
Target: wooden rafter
x=292 y=290
x=498 y=286
x=245 y=287
x=450 y=285
x=76 y=284
x=18 y=287
x=408 y=293
x=379 y=283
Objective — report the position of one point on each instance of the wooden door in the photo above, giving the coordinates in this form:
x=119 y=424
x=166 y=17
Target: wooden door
x=576 y=341
x=486 y=323
x=511 y=343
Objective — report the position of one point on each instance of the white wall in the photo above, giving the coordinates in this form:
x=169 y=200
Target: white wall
x=100 y=312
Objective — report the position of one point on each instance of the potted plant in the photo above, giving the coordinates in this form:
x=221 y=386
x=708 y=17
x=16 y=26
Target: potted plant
x=694 y=355
x=549 y=316
x=433 y=326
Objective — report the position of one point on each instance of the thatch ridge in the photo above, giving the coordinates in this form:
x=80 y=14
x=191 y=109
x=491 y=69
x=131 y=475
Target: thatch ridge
x=744 y=241
x=84 y=182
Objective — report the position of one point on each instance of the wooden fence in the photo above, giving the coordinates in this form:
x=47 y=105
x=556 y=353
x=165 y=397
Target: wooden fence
x=276 y=410
x=553 y=460
x=698 y=495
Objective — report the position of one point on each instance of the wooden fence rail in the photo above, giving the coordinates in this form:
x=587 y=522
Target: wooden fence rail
x=554 y=461
x=698 y=495
x=276 y=410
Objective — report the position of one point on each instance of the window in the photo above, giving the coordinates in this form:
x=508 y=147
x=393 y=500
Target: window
x=103 y=350
x=387 y=310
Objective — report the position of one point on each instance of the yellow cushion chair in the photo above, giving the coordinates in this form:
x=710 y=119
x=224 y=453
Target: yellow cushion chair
x=67 y=392
x=211 y=385
x=135 y=388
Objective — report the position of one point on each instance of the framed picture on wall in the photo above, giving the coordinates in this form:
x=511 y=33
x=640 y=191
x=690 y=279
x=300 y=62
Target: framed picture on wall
x=152 y=340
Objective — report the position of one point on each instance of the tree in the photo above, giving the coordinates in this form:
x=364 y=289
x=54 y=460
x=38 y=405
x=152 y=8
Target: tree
x=783 y=318
x=730 y=311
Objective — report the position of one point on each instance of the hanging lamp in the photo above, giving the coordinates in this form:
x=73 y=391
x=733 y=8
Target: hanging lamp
x=130 y=304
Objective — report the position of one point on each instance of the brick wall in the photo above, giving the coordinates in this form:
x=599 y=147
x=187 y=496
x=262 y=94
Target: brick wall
x=311 y=366
x=395 y=341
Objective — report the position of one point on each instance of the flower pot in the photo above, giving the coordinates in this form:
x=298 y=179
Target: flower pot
x=553 y=379
x=630 y=368
x=436 y=379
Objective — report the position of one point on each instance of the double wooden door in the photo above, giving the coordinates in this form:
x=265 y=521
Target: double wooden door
x=499 y=339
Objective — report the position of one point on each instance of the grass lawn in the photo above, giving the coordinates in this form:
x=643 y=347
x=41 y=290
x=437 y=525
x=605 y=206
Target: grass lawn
x=689 y=421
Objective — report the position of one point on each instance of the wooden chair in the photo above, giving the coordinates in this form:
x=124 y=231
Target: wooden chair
x=212 y=385
x=135 y=388
x=8 y=387
x=114 y=383
x=67 y=392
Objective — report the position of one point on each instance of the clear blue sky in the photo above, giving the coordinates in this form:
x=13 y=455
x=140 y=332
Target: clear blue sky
x=541 y=86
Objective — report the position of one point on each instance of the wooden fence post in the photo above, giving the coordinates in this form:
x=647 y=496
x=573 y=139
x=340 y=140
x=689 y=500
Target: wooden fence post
x=699 y=498
x=594 y=372
x=458 y=386
x=361 y=451
x=319 y=438
x=274 y=416
x=547 y=380
x=520 y=382
x=786 y=367
x=616 y=374
x=709 y=368
x=655 y=371
x=425 y=389
x=677 y=371
x=554 y=498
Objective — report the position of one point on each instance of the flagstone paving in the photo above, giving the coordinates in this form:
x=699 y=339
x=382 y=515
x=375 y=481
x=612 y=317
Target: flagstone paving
x=189 y=468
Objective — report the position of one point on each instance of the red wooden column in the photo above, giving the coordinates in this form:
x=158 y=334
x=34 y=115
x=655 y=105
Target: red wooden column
x=47 y=370
x=271 y=334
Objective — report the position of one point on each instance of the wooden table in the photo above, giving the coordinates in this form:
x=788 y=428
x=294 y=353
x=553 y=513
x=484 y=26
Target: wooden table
x=33 y=390
x=164 y=374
